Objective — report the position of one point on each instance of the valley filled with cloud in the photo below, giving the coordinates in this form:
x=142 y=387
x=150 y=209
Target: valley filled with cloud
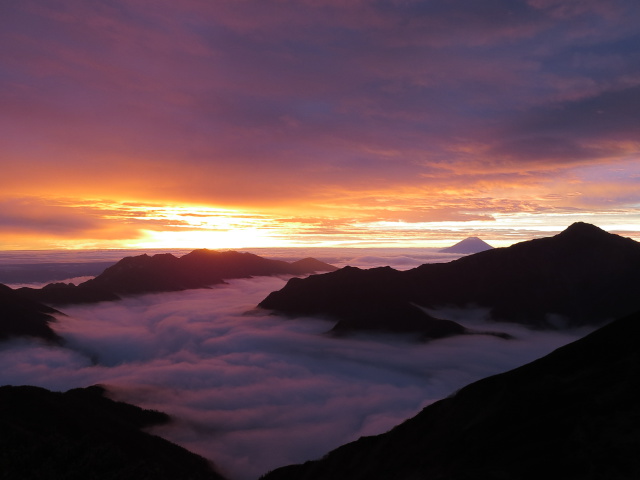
x=253 y=391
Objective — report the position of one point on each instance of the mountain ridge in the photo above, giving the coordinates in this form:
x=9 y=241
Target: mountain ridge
x=26 y=312
x=581 y=276
x=164 y=272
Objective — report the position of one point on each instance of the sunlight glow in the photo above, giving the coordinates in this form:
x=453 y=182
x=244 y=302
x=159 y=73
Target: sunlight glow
x=197 y=227
x=116 y=225
x=240 y=238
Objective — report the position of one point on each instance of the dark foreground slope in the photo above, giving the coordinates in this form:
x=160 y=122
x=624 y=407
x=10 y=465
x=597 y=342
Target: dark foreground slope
x=167 y=273
x=22 y=317
x=582 y=276
x=574 y=414
x=81 y=435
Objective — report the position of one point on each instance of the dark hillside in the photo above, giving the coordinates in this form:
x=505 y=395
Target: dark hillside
x=573 y=414
x=22 y=317
x=81 y=435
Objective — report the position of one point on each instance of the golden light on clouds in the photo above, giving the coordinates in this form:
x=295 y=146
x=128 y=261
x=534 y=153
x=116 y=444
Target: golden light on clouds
x=366 y=219
x=213 y=239
x=234 y=124
x=197 y=226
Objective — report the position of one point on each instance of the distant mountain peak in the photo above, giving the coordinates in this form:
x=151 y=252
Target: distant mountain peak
x=468 y=245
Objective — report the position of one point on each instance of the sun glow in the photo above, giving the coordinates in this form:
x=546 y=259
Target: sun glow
x=104 y=224
x=196 y=227
x=216 y=239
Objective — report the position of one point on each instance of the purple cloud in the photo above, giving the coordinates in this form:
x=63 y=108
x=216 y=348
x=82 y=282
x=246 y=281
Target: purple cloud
x=269 y=104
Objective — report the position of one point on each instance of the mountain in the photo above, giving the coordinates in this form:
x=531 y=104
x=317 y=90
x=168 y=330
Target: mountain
x=20 y=317
x=574 y=414
x=582 y=276
x=167 y=273
x=468 y=245
x=362 y=300
x=82 y=434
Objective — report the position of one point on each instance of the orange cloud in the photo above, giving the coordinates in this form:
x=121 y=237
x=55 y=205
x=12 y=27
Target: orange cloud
x=349 y=112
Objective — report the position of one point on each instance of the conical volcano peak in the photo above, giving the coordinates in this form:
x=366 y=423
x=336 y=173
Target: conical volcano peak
x=468 y=245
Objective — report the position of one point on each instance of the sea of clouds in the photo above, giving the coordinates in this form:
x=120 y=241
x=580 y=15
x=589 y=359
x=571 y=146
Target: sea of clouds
x=253 y=391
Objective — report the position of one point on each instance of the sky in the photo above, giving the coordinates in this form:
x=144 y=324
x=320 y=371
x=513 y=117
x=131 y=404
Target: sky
x=149 y=124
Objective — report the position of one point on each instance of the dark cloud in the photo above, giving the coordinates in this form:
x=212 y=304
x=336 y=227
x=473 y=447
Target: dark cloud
x=593 y=129
x=303 y=72
x=607 y=115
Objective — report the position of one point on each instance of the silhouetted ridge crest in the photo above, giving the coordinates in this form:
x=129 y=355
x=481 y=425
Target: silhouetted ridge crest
x=582 y=276
x=166 y=273
x=583 y=229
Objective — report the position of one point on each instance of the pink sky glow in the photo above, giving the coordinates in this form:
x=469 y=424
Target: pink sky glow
x=317 y=122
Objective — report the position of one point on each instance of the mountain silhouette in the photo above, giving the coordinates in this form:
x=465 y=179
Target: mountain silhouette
x=371 y=299
x=20 y=317
x=582 y=276
x=167 y=273
x=574 y=413
x=81 y=434
x=468 y=245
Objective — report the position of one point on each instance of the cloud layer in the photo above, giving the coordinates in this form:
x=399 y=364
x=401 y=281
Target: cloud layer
x=340 y=111
x=253 y=391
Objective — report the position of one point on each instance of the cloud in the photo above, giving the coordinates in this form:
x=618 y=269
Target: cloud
x=167 y=80
x=39 y=222
x=608 y=115
x=253 y=391
x=280 y=106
